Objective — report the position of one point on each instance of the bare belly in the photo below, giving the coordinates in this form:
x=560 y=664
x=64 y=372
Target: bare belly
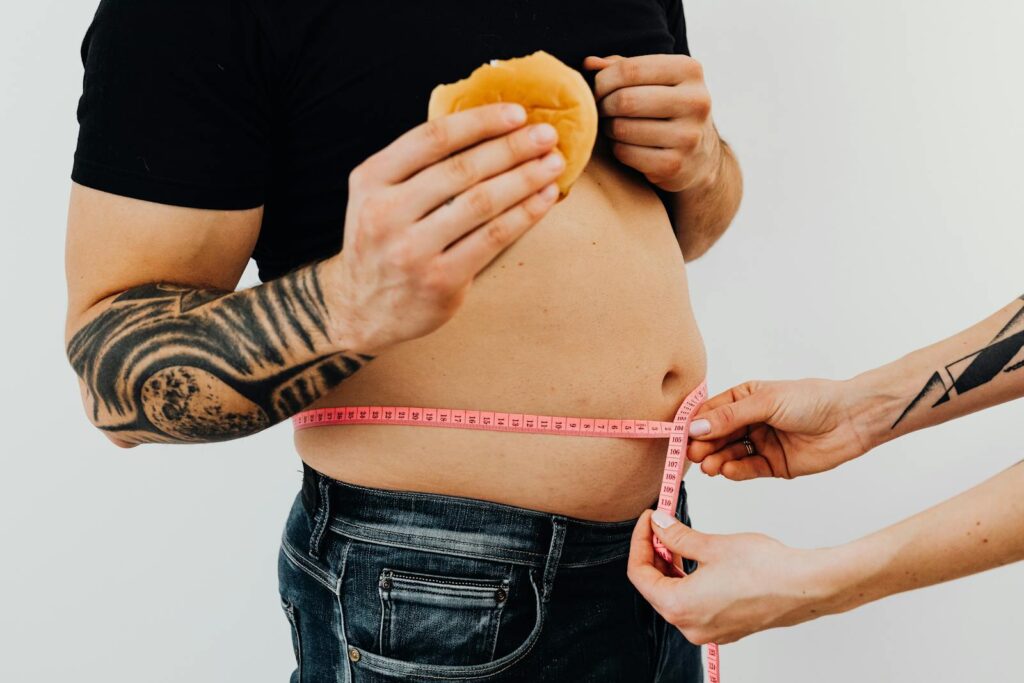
x=588 y=314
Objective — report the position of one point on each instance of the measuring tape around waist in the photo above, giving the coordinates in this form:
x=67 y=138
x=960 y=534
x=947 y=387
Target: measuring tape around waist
x=677 y=432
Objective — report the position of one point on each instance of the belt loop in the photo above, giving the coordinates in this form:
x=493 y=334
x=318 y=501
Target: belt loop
x=554 y=556
x=323 y=513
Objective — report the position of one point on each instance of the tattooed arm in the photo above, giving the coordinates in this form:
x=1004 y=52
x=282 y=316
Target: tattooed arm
x=195 y=361
x=173 y=363
x=162 y=362
x=809 y=426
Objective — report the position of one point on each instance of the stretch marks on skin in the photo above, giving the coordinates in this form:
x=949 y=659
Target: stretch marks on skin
x=677 y=432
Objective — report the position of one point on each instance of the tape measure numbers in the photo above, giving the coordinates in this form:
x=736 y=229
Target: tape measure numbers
x=677 y=432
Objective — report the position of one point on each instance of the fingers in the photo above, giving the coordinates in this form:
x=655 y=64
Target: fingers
x=651 y=582
x=729 y=420
x=471 y=254
x=436 y=184
x=644 y=132
x=642 y=70
x=750 y=467
x=677 y=537
x=711 y=465
x=652 y=161
x=651 y=101
x=435 y=140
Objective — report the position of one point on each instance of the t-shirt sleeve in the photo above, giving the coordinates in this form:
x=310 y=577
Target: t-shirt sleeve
x=175 y=104
x=677 y=25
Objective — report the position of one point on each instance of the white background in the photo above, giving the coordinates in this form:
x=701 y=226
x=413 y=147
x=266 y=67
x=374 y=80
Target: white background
x=881 y=142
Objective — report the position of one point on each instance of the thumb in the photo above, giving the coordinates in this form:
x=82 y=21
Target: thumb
x=677 y=537
x=730 y=418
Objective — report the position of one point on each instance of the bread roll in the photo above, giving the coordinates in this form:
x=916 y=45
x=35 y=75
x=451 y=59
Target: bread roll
x=550 y=92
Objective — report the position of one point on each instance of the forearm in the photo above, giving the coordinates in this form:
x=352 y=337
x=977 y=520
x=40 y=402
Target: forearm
x=167 y=363
x=980 y=529
x=978 y=368
x=701 y=215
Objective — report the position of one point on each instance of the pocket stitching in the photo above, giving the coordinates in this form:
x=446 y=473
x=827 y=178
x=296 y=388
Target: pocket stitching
x=295 y=557
x=395 y=667
x=438 y=583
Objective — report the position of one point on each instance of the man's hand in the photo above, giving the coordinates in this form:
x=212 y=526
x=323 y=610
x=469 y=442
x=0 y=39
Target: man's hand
x=657 y=112
x=744 y=583
x=796 y=428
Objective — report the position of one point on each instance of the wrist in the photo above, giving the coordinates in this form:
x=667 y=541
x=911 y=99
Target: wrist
x=875 y=399
x=715 y=155
x=346 y=328
x=844 y=576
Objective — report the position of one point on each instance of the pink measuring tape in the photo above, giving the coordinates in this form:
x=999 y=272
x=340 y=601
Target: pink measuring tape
x=677 y=432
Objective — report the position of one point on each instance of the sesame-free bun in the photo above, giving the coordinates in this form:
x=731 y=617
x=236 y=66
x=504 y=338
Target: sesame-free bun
x=550 y=91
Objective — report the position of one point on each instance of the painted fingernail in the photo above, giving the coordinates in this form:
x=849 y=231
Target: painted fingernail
x=663 y=519
x=700 y=428
x=514 y=113
x=543 y=133
x=554 y=161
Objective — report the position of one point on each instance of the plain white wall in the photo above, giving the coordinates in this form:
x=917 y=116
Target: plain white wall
x=881 y=142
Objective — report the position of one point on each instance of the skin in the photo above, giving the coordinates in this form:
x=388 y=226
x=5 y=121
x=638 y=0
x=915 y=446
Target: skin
x=166 y=352
x=810 y=426
x=656 y=111
x=534 y=335
x=497 y=300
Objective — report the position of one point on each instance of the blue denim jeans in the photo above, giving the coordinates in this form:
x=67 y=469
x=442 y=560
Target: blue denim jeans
x=398 y=586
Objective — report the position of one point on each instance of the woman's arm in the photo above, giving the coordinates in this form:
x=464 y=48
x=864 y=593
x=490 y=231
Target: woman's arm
x=808 y=426
x=749 y=582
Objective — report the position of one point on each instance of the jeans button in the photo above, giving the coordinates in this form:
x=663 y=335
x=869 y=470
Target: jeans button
x=353 y=654
x=501 y=595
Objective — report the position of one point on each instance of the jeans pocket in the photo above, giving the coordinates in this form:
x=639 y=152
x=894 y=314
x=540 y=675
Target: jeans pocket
x=411 y=614
x=293 y=618
x=440 y=619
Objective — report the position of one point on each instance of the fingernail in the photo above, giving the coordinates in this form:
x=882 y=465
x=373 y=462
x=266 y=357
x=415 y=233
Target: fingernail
x=543 y=133
x=514 y=113
x=700 y=427
x=549 y=192
x=554 y=161
x=663 y=519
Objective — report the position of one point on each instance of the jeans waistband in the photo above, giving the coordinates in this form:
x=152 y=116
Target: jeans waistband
x=463 y=526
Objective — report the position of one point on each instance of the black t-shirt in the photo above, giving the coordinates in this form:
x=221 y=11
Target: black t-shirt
x=232 y=104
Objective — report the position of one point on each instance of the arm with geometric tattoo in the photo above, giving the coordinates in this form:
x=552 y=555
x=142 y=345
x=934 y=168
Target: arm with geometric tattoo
x=802 y=427
x=168 y=363
x=978 y=368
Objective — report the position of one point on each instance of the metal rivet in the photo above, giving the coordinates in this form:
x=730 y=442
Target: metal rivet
x=353 y=654
x=501 y=595
x=385 y=583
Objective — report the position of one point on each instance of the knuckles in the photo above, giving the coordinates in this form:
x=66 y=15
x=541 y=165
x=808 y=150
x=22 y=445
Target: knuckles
x=671 y=166
x=702 y=106
x=436 y=281
x=622 y=103
x=461 y=170
x=437 y=136
x=497 y=233
x=374 y=213
x=481 y=205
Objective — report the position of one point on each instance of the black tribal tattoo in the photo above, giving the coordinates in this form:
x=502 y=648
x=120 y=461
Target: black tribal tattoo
x=170 y=363
x=1002 y=354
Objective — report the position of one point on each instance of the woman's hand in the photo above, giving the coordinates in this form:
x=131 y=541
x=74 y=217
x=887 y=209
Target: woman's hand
x=796 y=428
x=657 y=113
x=744 y=583
x=429 y=212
